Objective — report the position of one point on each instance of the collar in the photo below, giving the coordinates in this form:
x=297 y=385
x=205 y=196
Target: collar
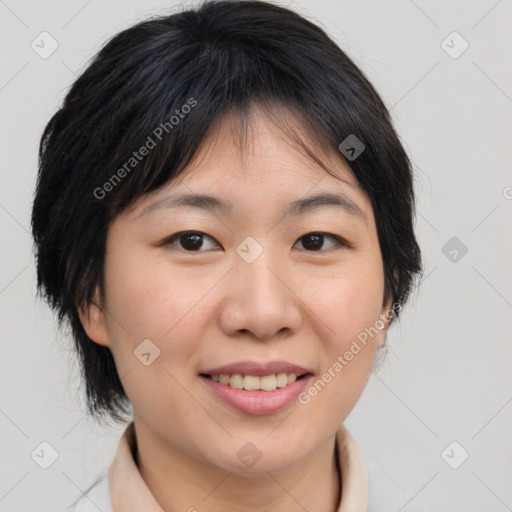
x=129 y=492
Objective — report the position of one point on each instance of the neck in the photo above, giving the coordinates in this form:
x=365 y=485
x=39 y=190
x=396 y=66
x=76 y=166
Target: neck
x=181 y=482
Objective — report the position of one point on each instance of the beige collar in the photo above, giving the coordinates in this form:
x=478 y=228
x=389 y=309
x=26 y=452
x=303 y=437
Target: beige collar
x=129 y=492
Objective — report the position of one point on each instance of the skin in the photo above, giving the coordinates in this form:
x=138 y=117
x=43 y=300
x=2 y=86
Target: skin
x=208 y=307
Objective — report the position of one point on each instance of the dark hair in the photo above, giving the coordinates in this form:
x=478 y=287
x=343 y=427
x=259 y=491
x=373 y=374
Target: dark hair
x=171 y=79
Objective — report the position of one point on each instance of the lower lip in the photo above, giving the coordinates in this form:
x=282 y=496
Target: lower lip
x=258 y=402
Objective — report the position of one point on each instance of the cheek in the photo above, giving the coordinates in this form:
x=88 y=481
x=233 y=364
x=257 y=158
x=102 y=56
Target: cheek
x=150 y=302
x=138 y=292
x=348 y=354
x=349 y=305
x=350 y=308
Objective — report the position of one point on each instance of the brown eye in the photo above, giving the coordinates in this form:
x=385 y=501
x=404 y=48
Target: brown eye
x=197 y=241
x=315 y=241
x=190 y=241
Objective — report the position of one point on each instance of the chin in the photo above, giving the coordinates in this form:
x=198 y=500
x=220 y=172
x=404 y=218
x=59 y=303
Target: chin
x=247 y=458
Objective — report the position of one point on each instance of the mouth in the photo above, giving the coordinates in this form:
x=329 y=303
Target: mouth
x=269 y=382
x=257 y=388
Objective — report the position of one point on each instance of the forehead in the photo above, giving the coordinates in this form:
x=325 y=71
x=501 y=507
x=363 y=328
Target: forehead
x=264 y=147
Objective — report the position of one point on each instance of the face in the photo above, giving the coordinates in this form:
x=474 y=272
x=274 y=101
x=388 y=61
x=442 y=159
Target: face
x=256 y=285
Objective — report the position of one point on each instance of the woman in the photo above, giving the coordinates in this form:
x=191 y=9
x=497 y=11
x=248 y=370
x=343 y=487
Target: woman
x=224 y=216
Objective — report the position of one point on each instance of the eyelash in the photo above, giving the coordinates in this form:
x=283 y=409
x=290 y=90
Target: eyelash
x=340 y=241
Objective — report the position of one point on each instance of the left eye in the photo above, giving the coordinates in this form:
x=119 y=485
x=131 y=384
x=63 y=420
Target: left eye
x=314 y=241
x=192 y=241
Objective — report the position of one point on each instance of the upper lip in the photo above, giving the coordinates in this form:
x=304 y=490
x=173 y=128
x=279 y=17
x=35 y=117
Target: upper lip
x=258 y=369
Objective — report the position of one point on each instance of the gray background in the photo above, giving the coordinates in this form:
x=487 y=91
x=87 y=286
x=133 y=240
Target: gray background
x=447 y=374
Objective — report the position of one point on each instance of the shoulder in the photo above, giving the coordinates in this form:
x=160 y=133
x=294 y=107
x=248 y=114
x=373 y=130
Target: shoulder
x=96 y=497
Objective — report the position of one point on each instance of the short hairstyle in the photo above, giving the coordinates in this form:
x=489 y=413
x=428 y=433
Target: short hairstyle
x=163 y=84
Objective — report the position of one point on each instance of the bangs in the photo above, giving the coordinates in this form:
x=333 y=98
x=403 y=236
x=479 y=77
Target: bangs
x=164 y=164
x=141 y=144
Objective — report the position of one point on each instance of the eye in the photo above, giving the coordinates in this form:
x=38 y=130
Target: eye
x=191 y=241
x=314 y=241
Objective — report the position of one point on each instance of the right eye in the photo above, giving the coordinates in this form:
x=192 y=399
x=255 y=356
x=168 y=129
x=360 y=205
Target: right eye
x=191 y=241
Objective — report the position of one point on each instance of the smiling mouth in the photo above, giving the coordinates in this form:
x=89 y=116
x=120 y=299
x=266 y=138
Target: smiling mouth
x=254 y=382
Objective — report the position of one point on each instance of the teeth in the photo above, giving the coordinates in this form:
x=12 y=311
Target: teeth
x=268 y=382
x=250 y=382
x=236 y=381
x=281 y=380
x=253 y=382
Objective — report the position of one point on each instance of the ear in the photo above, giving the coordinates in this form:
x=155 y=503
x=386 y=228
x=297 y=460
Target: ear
x=386 y=314
x=93 y=320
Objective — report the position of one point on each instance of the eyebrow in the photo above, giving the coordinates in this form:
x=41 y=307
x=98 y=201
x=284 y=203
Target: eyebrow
x=297 y=207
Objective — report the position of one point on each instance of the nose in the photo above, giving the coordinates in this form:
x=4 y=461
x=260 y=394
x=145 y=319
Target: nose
x=261 y=299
